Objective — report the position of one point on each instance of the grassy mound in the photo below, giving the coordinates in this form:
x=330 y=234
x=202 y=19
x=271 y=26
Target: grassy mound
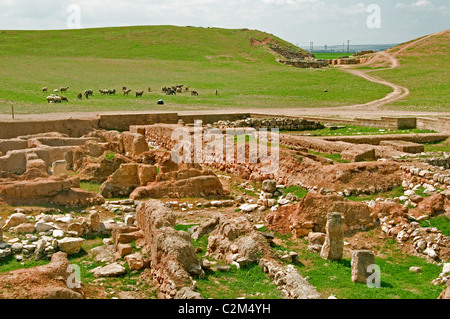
x=237 y=62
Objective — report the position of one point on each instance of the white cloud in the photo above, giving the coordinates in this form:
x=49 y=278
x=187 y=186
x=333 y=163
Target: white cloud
x=298 y=21
x=418 y=4
x=422 y=3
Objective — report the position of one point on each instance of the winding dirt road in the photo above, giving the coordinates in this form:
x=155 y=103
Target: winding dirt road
x=399 y=92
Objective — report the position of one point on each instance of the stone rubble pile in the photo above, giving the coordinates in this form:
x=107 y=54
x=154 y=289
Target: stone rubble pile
x=288 y=280
x=434 y=178
x=270 y=123
x=234 y=240
x=441 y=162
x=247 y=205
x=41 y=236
x=444 y=276
x=172 y=255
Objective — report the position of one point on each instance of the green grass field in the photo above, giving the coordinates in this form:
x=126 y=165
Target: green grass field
x=206 y=59
x=352 y=130
x=331 y=55
x=397 y=282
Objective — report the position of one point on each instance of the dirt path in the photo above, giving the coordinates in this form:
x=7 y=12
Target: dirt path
x=399 y=92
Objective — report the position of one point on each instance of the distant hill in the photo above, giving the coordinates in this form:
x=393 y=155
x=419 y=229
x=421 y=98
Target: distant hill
x=425 y=70
x=143 y=42
x=353 y=48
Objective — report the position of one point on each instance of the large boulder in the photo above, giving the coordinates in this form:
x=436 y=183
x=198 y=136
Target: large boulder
x=269 y=186
x=316 y=241
x=97 y=170
x=361 y=260
x=445 y=294
x=429 y=206
x=133 y=144
x=183 y=183
x=111 y=270
x=310 y=215
x=14 y=220
x=135 y=261
x=51 y=281
x=103 y=253
x=25 y=228
x=359 y=153
x=205 y=228
x=235 y=238
x=173 y=258
x=122 y=182
x=70 y=245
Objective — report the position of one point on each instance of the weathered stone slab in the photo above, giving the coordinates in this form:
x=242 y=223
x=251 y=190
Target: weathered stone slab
x=361 y=260
x=333 y=247
x=404 y=146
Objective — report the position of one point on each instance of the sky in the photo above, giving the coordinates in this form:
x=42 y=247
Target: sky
x=300 y=22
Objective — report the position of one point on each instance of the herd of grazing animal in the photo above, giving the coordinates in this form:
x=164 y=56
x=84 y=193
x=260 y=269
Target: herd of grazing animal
x=173 y=90
x=109 y=91
x=170 y=90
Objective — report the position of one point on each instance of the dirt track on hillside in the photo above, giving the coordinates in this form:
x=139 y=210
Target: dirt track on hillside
x=399 y=92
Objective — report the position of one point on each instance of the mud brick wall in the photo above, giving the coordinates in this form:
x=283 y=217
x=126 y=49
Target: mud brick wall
x=441 y=124
x=384 y=122
x=306 y=64
x=122 y=122
x=376 y=139
x=212 y=118
x=71 y=127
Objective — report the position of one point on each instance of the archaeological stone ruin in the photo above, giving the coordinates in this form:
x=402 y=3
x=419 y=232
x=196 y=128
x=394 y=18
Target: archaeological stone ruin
x=106 y=194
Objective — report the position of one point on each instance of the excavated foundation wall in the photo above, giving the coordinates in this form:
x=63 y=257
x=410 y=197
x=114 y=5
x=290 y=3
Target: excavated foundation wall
x=122 y=122
x=48 y=149
x=395 y=123
x=71 y=127
x=376 y=139
x=441 y=124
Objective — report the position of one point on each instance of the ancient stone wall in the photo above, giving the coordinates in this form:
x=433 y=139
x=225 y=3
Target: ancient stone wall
x=122 y=122
x=441 y=124
x=376 y=139
x=173 y=258
x=383 y=122
x=306 y=64
x=212 y=118
x=47 y=149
